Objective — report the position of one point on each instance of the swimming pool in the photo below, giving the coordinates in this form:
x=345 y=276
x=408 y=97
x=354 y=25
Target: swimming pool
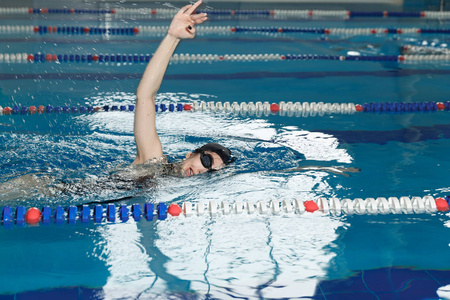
x=236 y=255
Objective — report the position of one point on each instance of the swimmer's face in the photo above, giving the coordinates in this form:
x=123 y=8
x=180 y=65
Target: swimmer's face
x=193 y=165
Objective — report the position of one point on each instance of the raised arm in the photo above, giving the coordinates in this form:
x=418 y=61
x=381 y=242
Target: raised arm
x=147 y=141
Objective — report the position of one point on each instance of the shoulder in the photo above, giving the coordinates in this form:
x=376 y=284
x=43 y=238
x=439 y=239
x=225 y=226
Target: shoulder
x=157 y=160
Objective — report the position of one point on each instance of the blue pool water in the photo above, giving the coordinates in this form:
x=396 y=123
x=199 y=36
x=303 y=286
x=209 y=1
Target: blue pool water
x=312 y=256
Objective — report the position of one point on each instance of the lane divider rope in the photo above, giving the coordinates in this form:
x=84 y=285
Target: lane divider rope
x=209 y=58
x=412 y=49
x=283 y=108
x=21 y=216
x=345 y=14
x=159 y=30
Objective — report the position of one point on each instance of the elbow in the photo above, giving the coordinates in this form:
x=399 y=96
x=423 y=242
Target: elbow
x=145 y=97
x=145 y=93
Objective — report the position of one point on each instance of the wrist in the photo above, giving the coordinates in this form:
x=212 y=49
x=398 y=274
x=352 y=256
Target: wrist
x=172 y=37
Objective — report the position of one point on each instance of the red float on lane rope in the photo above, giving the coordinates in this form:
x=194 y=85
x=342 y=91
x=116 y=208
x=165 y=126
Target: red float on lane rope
x=441 y=204
x=7 y=110
x=359 y=107
x=174 y=210
x=33 y=216
x=32 y=110
x=187 y=107
x=310 y=206
x=274 y=108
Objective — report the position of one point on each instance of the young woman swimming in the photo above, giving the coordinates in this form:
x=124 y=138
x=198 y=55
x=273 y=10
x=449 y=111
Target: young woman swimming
x=211 y=156
x=150 y=162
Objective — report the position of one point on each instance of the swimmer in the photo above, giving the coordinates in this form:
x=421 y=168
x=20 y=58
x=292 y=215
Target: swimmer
x=150 y=162
x=209 y=157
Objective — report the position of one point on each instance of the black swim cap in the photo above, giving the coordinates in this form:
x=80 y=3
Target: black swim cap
x=223 y=152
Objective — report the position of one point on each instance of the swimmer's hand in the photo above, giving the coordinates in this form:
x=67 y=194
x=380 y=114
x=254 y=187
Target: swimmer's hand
x=182 y=26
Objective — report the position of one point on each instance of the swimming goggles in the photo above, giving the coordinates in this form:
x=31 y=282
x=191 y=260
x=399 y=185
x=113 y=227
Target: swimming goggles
x=206 y=160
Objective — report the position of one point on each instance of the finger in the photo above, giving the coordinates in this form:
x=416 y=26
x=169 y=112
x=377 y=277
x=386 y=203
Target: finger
x=184 y=9
x=201 y=20
x=191 y=30
x=198 y=17
x=193 y=7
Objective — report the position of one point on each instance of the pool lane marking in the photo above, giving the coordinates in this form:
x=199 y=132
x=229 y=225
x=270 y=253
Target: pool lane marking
x=271 y=13
x=125 y=59
x=21 y=216
x=160 y=30
x=283 y=108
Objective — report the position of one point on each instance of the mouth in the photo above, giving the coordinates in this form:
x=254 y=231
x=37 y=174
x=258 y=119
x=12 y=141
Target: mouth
x=189 y=172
